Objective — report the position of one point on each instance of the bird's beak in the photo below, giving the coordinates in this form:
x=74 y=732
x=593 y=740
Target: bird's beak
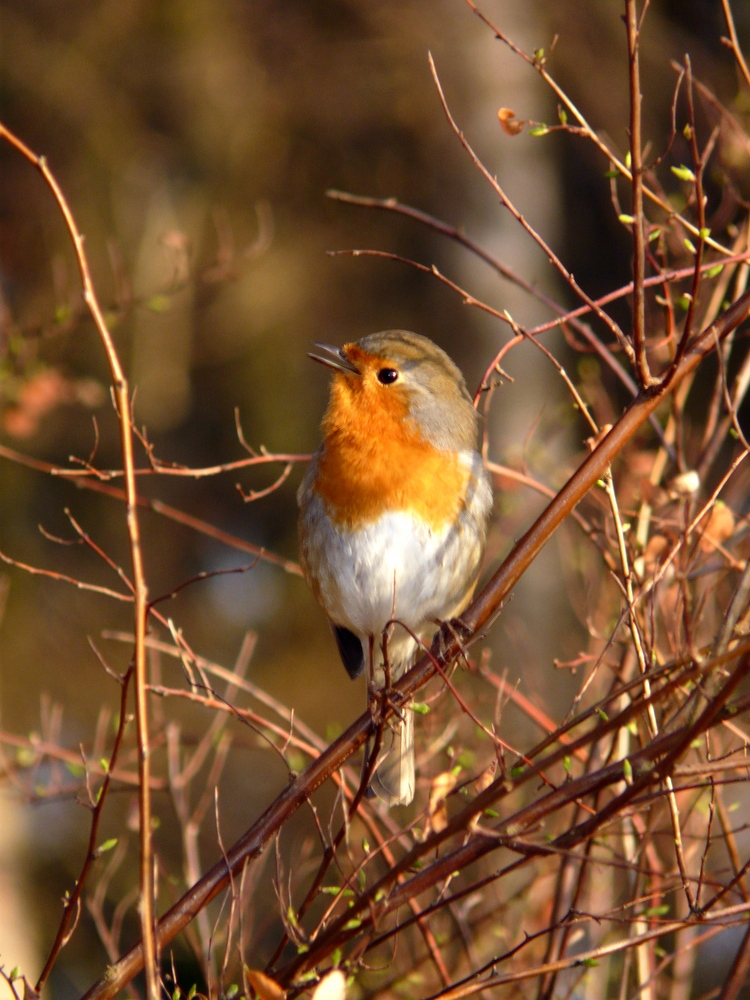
x=335 y=358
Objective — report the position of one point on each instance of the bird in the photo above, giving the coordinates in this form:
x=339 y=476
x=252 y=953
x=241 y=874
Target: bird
x=394 y=508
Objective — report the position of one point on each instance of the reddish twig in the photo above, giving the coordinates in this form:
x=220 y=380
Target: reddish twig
x=734 y=44
x=72 y=900
x=636 y=166
x=164 y=509
x=122 y=398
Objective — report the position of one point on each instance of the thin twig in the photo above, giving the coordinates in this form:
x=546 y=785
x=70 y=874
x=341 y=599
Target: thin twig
x=734 y=44
x=122 y=397
x=72 y=900
x=639 y=254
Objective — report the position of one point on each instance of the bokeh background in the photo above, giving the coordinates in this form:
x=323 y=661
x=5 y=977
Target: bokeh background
x=195 y=140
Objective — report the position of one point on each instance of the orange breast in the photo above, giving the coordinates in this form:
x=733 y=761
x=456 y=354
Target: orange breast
x=375 y=461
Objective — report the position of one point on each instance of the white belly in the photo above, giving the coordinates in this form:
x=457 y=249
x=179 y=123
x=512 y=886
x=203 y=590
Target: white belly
x=395 y=567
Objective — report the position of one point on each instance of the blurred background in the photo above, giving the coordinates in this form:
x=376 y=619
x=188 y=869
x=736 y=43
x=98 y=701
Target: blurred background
x=195 y=141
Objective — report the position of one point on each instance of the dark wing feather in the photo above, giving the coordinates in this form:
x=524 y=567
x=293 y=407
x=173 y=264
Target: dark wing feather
x=350 y=650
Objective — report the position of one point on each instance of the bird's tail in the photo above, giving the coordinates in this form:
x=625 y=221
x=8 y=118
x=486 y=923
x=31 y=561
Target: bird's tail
x=393 y=777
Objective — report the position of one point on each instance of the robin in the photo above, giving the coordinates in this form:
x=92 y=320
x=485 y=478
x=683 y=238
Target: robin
x=393 y=516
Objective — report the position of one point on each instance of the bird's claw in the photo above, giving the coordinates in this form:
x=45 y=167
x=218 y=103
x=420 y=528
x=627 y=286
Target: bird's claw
x=451 y=631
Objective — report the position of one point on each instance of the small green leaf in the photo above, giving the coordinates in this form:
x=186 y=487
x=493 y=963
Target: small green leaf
x=104 y=764
x=538 y=130
x=627 y=220
x=590 y=963
x=232 y=991
x=628 y=159
x=336 y=958
x=689 y=245
x=379 y=895
x=603 y=715
x=192 y=991
x=654 y=235
x=688 y=131
x=107 y=846
x=302 y=949
x=684 y=301
x=704 y=233
x=516 y=771
x=159 y=303
x=567 y=765
x=420 y=708
x=491 y=813
x=713 y=271
x=63 y=313
x=656 y=911
x=25 y=757
x=361 y=879
x=352 y=925
x=611 y=174
x=177 y=993
x=15 y=972
x=627 y=771
x=365 y=845
x=562 y=114
x=684 y=173
x=333 y=731
x=331 y=890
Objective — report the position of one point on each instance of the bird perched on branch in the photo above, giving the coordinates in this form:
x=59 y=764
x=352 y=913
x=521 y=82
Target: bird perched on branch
x=394 y=509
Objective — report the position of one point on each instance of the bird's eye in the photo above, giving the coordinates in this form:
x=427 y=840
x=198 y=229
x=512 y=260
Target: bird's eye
x=387 y=375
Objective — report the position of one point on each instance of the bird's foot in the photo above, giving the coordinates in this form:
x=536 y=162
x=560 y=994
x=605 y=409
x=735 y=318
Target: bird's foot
x=453 y=632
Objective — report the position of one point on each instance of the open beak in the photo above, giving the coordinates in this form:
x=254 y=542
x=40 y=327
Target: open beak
x=335 y=358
